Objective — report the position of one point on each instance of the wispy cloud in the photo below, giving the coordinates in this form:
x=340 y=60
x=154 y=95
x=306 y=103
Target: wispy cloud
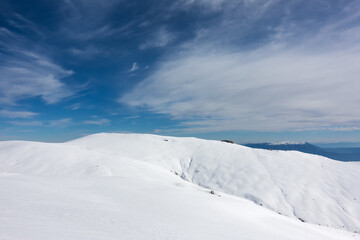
x=32 y=75
x=88 y=20
x=87 y=52
x=64 y=122
x=16 y=114
x=26 y=74
x=134 y=67
x=160 y=38
x=288 y=83
x=344 y=129
x=23 y=24
x=75 y=106
x=26 y=123
x=213 y=5
x=102 y=121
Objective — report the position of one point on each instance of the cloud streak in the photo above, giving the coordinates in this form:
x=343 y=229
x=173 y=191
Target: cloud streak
x=26 y=74
x=159 y=39
x=26 y=123
x=134 y=67
x=63 y=122
x=286 y=84
x=102 y=121
x=16 y=114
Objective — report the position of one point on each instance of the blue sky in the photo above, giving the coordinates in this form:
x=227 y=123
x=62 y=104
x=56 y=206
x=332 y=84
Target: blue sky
x=251 y=70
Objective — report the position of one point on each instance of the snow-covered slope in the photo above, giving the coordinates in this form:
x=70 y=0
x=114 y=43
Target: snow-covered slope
x=309 y=187
x=106 y=186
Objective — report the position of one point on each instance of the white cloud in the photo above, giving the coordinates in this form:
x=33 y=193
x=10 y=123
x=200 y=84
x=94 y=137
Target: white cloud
x=26 y=123
x=26 y=74
x=160 y=38
x=64 y=122
x=134 y=67
x=279 y=86
x=16 y=114
x=88 y=52
x=102 y=121
x=22 y=23
x=25 y=78
x=75 y=106
x=344 y=129
x=207 y=5
x=88 y=20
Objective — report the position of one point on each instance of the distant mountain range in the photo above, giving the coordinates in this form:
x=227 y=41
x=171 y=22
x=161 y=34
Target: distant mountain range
x=339 y=153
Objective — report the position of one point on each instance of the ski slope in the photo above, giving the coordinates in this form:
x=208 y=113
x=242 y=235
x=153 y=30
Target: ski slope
x=136 y=186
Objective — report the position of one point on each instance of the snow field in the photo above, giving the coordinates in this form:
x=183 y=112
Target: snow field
x=131 y=186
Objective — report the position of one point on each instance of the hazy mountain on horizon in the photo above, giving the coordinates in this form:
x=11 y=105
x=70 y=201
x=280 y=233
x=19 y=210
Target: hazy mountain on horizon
x=336 y=153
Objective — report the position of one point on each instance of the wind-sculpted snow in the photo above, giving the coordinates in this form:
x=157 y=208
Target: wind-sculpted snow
x=305 y=187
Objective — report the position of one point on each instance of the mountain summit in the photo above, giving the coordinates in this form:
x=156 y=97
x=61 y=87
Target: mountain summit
x=152 y=187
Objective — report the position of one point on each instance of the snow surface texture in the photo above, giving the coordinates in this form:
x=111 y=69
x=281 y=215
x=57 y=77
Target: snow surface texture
x=128 y=186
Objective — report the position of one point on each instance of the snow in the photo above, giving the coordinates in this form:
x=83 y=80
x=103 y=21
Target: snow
x=136 y=186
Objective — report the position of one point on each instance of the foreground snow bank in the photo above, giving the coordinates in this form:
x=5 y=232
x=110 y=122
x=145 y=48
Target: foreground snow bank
x=302 y=186
x=158 y=206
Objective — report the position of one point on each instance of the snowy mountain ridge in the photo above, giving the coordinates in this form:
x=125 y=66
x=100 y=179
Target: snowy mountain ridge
x=301 y=186
x=295 y=184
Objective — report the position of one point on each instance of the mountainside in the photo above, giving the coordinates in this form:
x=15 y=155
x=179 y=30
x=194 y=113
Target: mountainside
x=132 y=185
x=341 y=154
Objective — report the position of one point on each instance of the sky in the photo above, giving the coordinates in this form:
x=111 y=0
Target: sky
x=248 y=70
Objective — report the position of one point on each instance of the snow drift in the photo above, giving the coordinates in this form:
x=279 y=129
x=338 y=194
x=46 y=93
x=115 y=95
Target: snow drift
x=304 y=187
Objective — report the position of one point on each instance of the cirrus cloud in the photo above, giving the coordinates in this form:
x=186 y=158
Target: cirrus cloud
x=102 y=121
x=16 y=114
x=26 y=74
x=295 y=80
